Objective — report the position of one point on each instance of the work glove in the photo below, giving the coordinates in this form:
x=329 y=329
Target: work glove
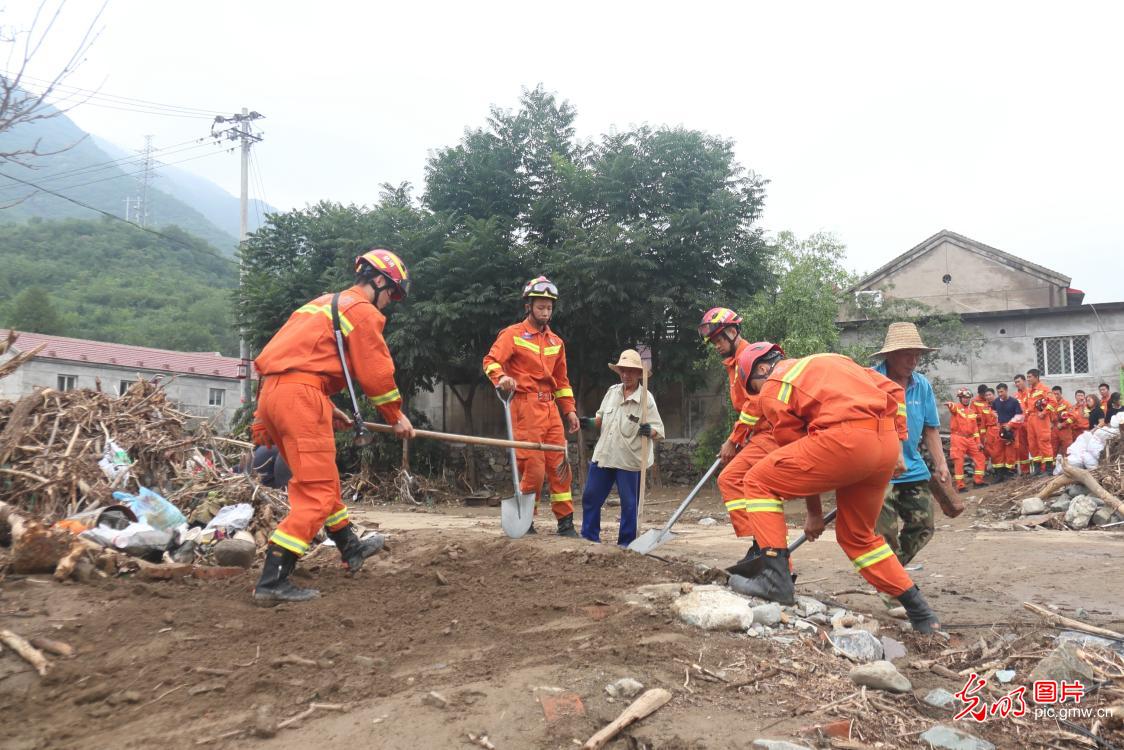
x=587 y=423
x=260 y=436
x=645 y=430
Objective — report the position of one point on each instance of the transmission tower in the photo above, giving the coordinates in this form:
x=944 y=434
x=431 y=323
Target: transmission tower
x=143 y=211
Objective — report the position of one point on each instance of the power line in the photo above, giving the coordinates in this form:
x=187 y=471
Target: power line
x=72 y=90
x=122 y=162
x=115 y=217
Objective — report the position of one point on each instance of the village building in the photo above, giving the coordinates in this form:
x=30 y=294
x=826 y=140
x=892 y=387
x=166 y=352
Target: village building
x=203 y=384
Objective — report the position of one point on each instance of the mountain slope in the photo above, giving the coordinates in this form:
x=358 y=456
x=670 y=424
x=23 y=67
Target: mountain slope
x=103 y=182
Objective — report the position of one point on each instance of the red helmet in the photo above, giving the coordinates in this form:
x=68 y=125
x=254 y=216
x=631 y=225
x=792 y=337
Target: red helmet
x=716 y=320
x=751 y=354
x=389 y=266
x=540 y=286
x=963 y=392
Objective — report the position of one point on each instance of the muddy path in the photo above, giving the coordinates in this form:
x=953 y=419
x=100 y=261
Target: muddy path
x=517 y=639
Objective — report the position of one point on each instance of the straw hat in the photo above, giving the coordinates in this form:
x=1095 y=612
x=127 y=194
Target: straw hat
x=901 y=336
x=628 y=358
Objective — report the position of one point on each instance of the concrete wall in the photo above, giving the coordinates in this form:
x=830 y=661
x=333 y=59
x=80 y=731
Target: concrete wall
x=977 y=283
x=1009 y=348
x=190 y=392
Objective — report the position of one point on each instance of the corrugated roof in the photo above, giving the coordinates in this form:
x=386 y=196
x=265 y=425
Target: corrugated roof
x=65 y=349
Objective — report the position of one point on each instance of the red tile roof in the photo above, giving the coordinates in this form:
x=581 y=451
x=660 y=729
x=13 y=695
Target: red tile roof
x=204 y=364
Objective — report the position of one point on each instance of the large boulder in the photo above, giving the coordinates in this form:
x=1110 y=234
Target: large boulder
x=1032 y=506
x=714 y=608
x=1063 y=663
x=880 y=675
x=857 y=645
x=1080 y=512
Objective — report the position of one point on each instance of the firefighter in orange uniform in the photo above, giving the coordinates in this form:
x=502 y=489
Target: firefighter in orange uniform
x=1040 y=422
x=300 y=367
x=967 y=439
x=1066 y=425
x=840 y=427
x=989 y=428
x=1022 y=443
x=530 y=359
x=750 y=439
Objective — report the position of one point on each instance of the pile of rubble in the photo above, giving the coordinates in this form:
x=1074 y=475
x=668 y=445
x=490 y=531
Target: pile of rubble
x=93 y=483
x=860 y=687
x=1075 y=499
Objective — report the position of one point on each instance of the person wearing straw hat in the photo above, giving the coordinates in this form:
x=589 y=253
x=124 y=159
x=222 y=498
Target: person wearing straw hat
x=908 y=501
x=619 y=454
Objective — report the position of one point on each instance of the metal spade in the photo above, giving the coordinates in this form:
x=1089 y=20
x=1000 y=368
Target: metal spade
x=518 y=512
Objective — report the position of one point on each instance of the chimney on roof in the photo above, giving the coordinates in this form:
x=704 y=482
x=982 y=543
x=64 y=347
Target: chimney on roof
x=1074 y=297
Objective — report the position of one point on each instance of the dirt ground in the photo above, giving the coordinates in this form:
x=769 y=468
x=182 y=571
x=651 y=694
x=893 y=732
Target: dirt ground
x=506 y=632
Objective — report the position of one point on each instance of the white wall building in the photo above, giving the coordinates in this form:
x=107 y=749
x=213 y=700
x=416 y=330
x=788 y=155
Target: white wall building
x=203 y=384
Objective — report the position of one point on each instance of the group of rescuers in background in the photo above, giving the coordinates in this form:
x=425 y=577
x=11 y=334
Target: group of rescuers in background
x=805 y=426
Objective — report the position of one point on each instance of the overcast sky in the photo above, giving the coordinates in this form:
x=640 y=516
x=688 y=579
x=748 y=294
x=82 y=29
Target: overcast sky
x=880 y=122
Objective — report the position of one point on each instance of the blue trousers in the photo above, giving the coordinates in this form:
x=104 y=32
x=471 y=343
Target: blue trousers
x=597 y=486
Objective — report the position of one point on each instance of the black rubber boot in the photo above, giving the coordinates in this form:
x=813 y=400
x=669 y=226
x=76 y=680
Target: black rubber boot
x=274 y=585
x=917 y=609
x=750 y=565
x=354 y=550
x=531 y=528
x=566 y=526
x=773 y=582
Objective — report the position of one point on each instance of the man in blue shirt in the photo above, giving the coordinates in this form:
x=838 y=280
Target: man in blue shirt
x=908 y=498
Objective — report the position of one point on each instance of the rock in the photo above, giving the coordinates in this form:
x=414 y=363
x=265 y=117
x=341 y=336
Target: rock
x=366 y=662
x=707 y=521
x=947 y=738
x=1005 y=675
x=1081 y=613
x=1062 y=503
x=767 y=614
x=235 y=553
x=435 y=699
x=713 y=608
x=1075 y=490
x=881 y=675
x=898 y=613
x=843 y=619
x=263 y=725
x=655 y=591
x=892 y=649
x=820 y=619
x=1102 y=516
x=1032 y=506
x=1080 y=512
x=777 y=745
x=856 y=645
x=1063 y=663
x=940 y=698
x=807 y=606
x=806 y=627
x=625 y=688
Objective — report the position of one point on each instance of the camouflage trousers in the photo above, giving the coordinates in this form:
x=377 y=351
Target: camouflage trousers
x=912 y=504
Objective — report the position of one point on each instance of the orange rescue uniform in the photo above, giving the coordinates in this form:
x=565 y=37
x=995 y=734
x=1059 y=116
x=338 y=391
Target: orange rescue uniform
x=839 y=427
x=1066 y=426
x=966 y=438
x=537 y=361
x=989 y=431
x=752 y=436
x=1040 y=425
x=1022 y=444
x=300 y=367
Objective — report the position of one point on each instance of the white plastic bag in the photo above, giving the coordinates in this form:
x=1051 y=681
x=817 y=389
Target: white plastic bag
x=115 y=463
x=232 y=517
x=152 y=509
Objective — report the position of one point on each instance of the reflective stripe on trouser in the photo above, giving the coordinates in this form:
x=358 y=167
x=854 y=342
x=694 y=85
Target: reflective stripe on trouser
x=857 y=464
x=1039 y=440
x=298 y=418
x=732 y=477
x=539 y=421
x=967 y=446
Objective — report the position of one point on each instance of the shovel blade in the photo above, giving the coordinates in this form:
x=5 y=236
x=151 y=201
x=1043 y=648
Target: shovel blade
x=650 y=540
x=517 y=514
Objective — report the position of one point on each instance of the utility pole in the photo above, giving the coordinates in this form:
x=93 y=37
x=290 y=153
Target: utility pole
x=242 y=131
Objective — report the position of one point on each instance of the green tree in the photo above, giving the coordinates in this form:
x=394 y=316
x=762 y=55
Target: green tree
x=33 y=311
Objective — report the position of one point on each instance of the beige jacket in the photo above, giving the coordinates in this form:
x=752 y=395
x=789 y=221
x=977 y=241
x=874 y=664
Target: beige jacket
x=619 y=444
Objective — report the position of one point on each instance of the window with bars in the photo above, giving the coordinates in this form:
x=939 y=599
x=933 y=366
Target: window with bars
x=1063 y=355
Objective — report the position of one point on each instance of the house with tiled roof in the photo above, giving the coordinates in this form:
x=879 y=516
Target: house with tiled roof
x=204 y=384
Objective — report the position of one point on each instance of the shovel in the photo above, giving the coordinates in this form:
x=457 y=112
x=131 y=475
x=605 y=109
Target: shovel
x=653 y=538
x=516 y=513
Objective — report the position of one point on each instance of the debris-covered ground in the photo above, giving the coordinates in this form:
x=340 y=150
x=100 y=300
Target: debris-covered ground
x=455 y=632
